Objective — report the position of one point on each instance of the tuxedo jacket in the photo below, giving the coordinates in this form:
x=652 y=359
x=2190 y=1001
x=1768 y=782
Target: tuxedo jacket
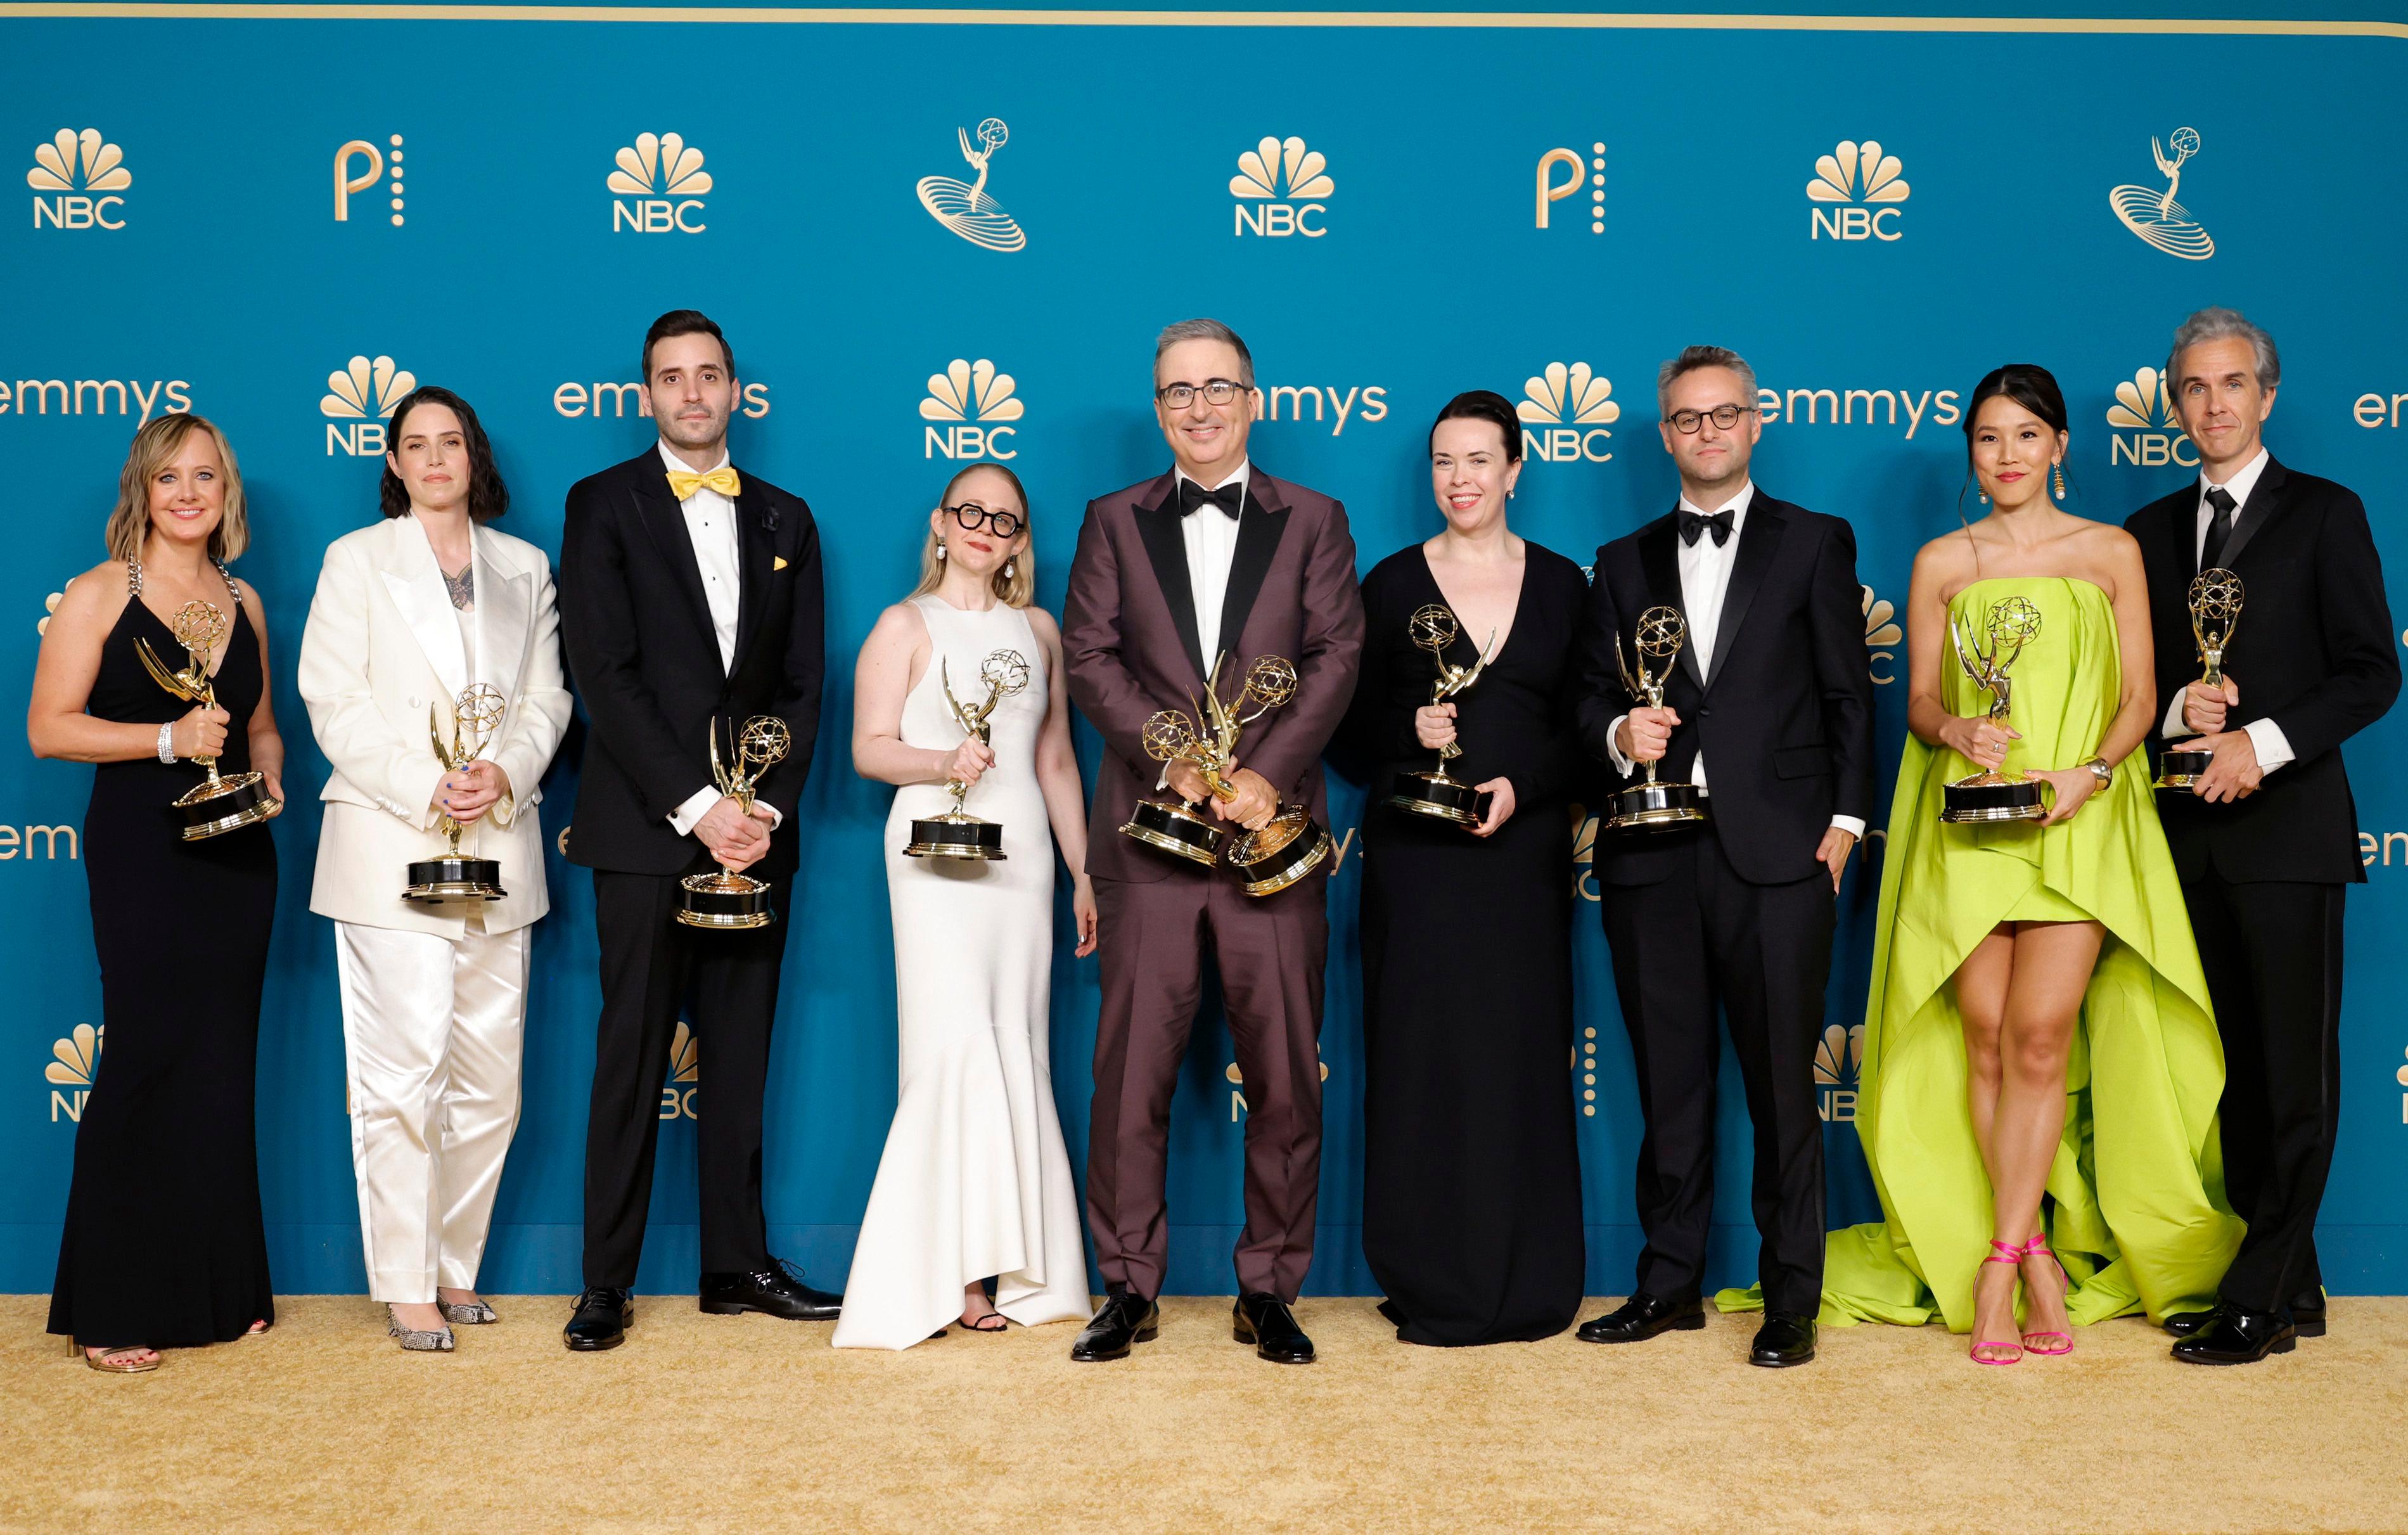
x=2312 y=652
x=638 y=630
x=380 y=662
x=1782 y=710
x=1128 y=627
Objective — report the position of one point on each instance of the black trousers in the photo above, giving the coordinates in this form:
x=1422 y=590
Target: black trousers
x=2272 y=955
x=1700 y=938
x=652 y=966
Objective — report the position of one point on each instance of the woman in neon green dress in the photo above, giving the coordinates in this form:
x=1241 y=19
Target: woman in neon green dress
x=2038 y=1023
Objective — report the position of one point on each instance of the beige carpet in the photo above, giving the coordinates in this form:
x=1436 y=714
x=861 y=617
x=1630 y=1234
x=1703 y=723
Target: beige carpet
x=709 y=1423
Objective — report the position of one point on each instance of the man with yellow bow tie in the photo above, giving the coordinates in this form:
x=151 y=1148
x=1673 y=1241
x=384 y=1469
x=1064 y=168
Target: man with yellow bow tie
x=690 y=600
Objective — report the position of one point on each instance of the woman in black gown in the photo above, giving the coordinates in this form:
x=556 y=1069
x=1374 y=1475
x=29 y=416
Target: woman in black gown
x=164 y=1246
x=1471 y=1215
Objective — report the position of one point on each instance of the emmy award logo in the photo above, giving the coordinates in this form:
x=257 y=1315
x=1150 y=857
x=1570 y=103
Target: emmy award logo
x=1440 y=794
x=956 y=834
x=1648 y=805
x=727 y=899
x=2215 y=597
x=964 y=208
x=2154 y=215
x=476 y=714
x=1995 y=793
x=218 y=805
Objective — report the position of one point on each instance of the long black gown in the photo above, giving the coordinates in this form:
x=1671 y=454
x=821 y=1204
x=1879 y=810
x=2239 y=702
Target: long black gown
x=1471 y=1213
x=164 y=1246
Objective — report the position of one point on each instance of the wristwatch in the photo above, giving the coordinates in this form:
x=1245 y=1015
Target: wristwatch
x=2102 y=771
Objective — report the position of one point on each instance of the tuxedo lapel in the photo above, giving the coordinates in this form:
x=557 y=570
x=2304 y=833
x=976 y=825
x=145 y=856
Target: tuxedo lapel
x=1166 y=548
x=1659 y=561
x=415 y=582
x=1757 y=542
x=663 y=518
x=1261 y=525
x=2265 y=504
x=755 y=558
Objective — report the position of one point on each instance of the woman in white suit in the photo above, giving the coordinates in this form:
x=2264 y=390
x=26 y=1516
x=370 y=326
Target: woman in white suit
x=408 y=614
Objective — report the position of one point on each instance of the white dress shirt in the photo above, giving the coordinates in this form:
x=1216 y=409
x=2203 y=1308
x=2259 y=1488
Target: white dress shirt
x=2273 y=747
x=1212 y=542
x=1705 y=578
x=711 y=526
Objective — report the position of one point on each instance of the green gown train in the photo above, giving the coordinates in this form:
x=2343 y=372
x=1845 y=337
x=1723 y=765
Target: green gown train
x=2136 y=1205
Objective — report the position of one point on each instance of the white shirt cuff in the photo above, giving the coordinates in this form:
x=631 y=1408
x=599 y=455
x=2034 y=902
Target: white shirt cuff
x=2273 y=747
x=1852 y=825
x=2176 y=727
x=1621 y=765
x=696 y=806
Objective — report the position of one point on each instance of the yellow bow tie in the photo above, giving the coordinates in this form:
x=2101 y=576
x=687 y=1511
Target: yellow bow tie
x=683 y=484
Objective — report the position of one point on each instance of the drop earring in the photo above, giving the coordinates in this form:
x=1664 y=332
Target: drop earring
x=940 y=549
x=1008 y=566
x=1983 y=496
x=2060 y=482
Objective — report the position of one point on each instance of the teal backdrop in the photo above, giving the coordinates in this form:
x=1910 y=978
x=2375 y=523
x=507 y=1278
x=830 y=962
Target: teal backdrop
x=270 y=216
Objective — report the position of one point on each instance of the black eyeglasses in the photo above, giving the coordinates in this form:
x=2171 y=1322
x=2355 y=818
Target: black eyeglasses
x=1724 y=417
x=1178 y=396
x=971 y=514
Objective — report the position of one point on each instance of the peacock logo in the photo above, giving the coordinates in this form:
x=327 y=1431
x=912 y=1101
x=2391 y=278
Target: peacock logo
x=685 y=1075
x=75 y=179
x=658 y=187
x=1881 y=632
x=2144 y=429
x=1857 y=188
x=359 y=401
x=1568 y=413
x=50 y=605
x=73 y=1067
x=968 y=404
x=1838 y=1060
x=1282 y=189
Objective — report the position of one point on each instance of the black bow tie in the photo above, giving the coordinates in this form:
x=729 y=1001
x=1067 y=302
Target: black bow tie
x=1692 y=524
x=1194 y=497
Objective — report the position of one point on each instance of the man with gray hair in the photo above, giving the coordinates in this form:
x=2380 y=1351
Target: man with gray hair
x=2266 y=840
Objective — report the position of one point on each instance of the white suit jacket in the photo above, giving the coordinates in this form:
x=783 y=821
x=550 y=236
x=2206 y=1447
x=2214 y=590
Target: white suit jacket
x=382 y=648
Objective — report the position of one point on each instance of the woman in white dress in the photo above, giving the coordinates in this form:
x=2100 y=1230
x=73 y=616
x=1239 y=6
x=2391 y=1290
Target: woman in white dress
x=975 y=1183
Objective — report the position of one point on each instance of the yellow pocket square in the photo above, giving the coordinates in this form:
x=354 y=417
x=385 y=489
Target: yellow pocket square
x=777 y=562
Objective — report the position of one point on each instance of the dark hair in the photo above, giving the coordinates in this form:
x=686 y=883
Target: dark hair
x=684 y=322
x=2028 y=385
x=1489 y=406
x=488 y=497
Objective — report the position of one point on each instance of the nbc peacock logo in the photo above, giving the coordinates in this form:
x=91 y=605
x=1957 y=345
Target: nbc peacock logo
x=73 y=1067
x=2152 y=213
x=76 y=179
x=1567 y=414
x=2144 y=430
x=1857 y=189
x=1838 y=1060
x=658 y=187
x=359 y=401
x=1882 y=635
x=685 y=1075
x=969 y=407
x=1282 y=189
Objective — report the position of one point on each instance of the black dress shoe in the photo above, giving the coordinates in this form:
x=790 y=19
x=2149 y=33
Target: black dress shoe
x=1122 y=1320
x=776 y=1291
x=2238 y=1338
x=600 y=1321
x=1265 y=1321
x=2191 y=1324
x=1641 y=1317
x=2308 y=1320
x=1785 y=1339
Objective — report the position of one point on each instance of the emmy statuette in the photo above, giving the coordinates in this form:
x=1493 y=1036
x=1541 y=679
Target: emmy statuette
x=1292 y=844
x=956 y=834
x=1995 y=793
x=1440 y=794
x=218 y=804
x=2215 y=599
x=728 y=899
x=1649 y=805
x=476 y=714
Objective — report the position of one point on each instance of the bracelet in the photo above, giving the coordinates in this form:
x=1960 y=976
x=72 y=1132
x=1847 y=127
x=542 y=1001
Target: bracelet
x=2102 y=769
x=167 y=741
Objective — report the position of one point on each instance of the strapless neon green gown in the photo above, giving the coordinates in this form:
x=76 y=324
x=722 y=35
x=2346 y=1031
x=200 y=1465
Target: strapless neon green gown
x=2136 y=1205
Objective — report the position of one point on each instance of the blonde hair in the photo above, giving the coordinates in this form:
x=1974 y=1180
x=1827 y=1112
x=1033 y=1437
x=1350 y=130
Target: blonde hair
x=156 y=443
x=1016 y=589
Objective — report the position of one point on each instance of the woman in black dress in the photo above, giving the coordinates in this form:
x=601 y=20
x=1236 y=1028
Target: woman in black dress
x=164 y=1246
x=1472 y=1216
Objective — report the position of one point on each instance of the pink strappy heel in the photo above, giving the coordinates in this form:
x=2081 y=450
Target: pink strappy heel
x=2038 y=1247
x=2011 y=1255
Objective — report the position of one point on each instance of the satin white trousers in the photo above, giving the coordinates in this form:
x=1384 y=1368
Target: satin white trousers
x=431 y=1032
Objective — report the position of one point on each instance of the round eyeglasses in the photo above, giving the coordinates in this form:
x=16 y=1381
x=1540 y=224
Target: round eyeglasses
x=1724 y=417
x=969 y=514
x=1178 y=396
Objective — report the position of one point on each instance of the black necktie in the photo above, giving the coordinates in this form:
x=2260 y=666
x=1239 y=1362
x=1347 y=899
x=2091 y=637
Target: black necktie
x=2219 y=527
x=1692 y=524
x=1194 y=497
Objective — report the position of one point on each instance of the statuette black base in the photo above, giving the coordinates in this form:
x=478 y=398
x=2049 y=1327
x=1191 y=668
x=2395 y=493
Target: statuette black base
x=721 y=899
x=1656 y=806
x=954 y=835
x=1441 y=798
x=2182 y=769
x=1176 y=829
x=1269 y=860
x=229 y=804
x=1992 y=796
x=451 y=878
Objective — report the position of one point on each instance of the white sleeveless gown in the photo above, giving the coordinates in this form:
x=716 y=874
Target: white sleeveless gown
x=974 y=1181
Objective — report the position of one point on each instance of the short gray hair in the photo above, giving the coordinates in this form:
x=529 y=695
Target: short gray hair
x=1694 y=358
x=2221 y=325
x=1206 y=330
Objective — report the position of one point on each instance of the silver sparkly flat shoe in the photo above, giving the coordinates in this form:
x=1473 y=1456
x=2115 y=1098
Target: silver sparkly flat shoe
x=466 y=1316
x=415 y=1342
